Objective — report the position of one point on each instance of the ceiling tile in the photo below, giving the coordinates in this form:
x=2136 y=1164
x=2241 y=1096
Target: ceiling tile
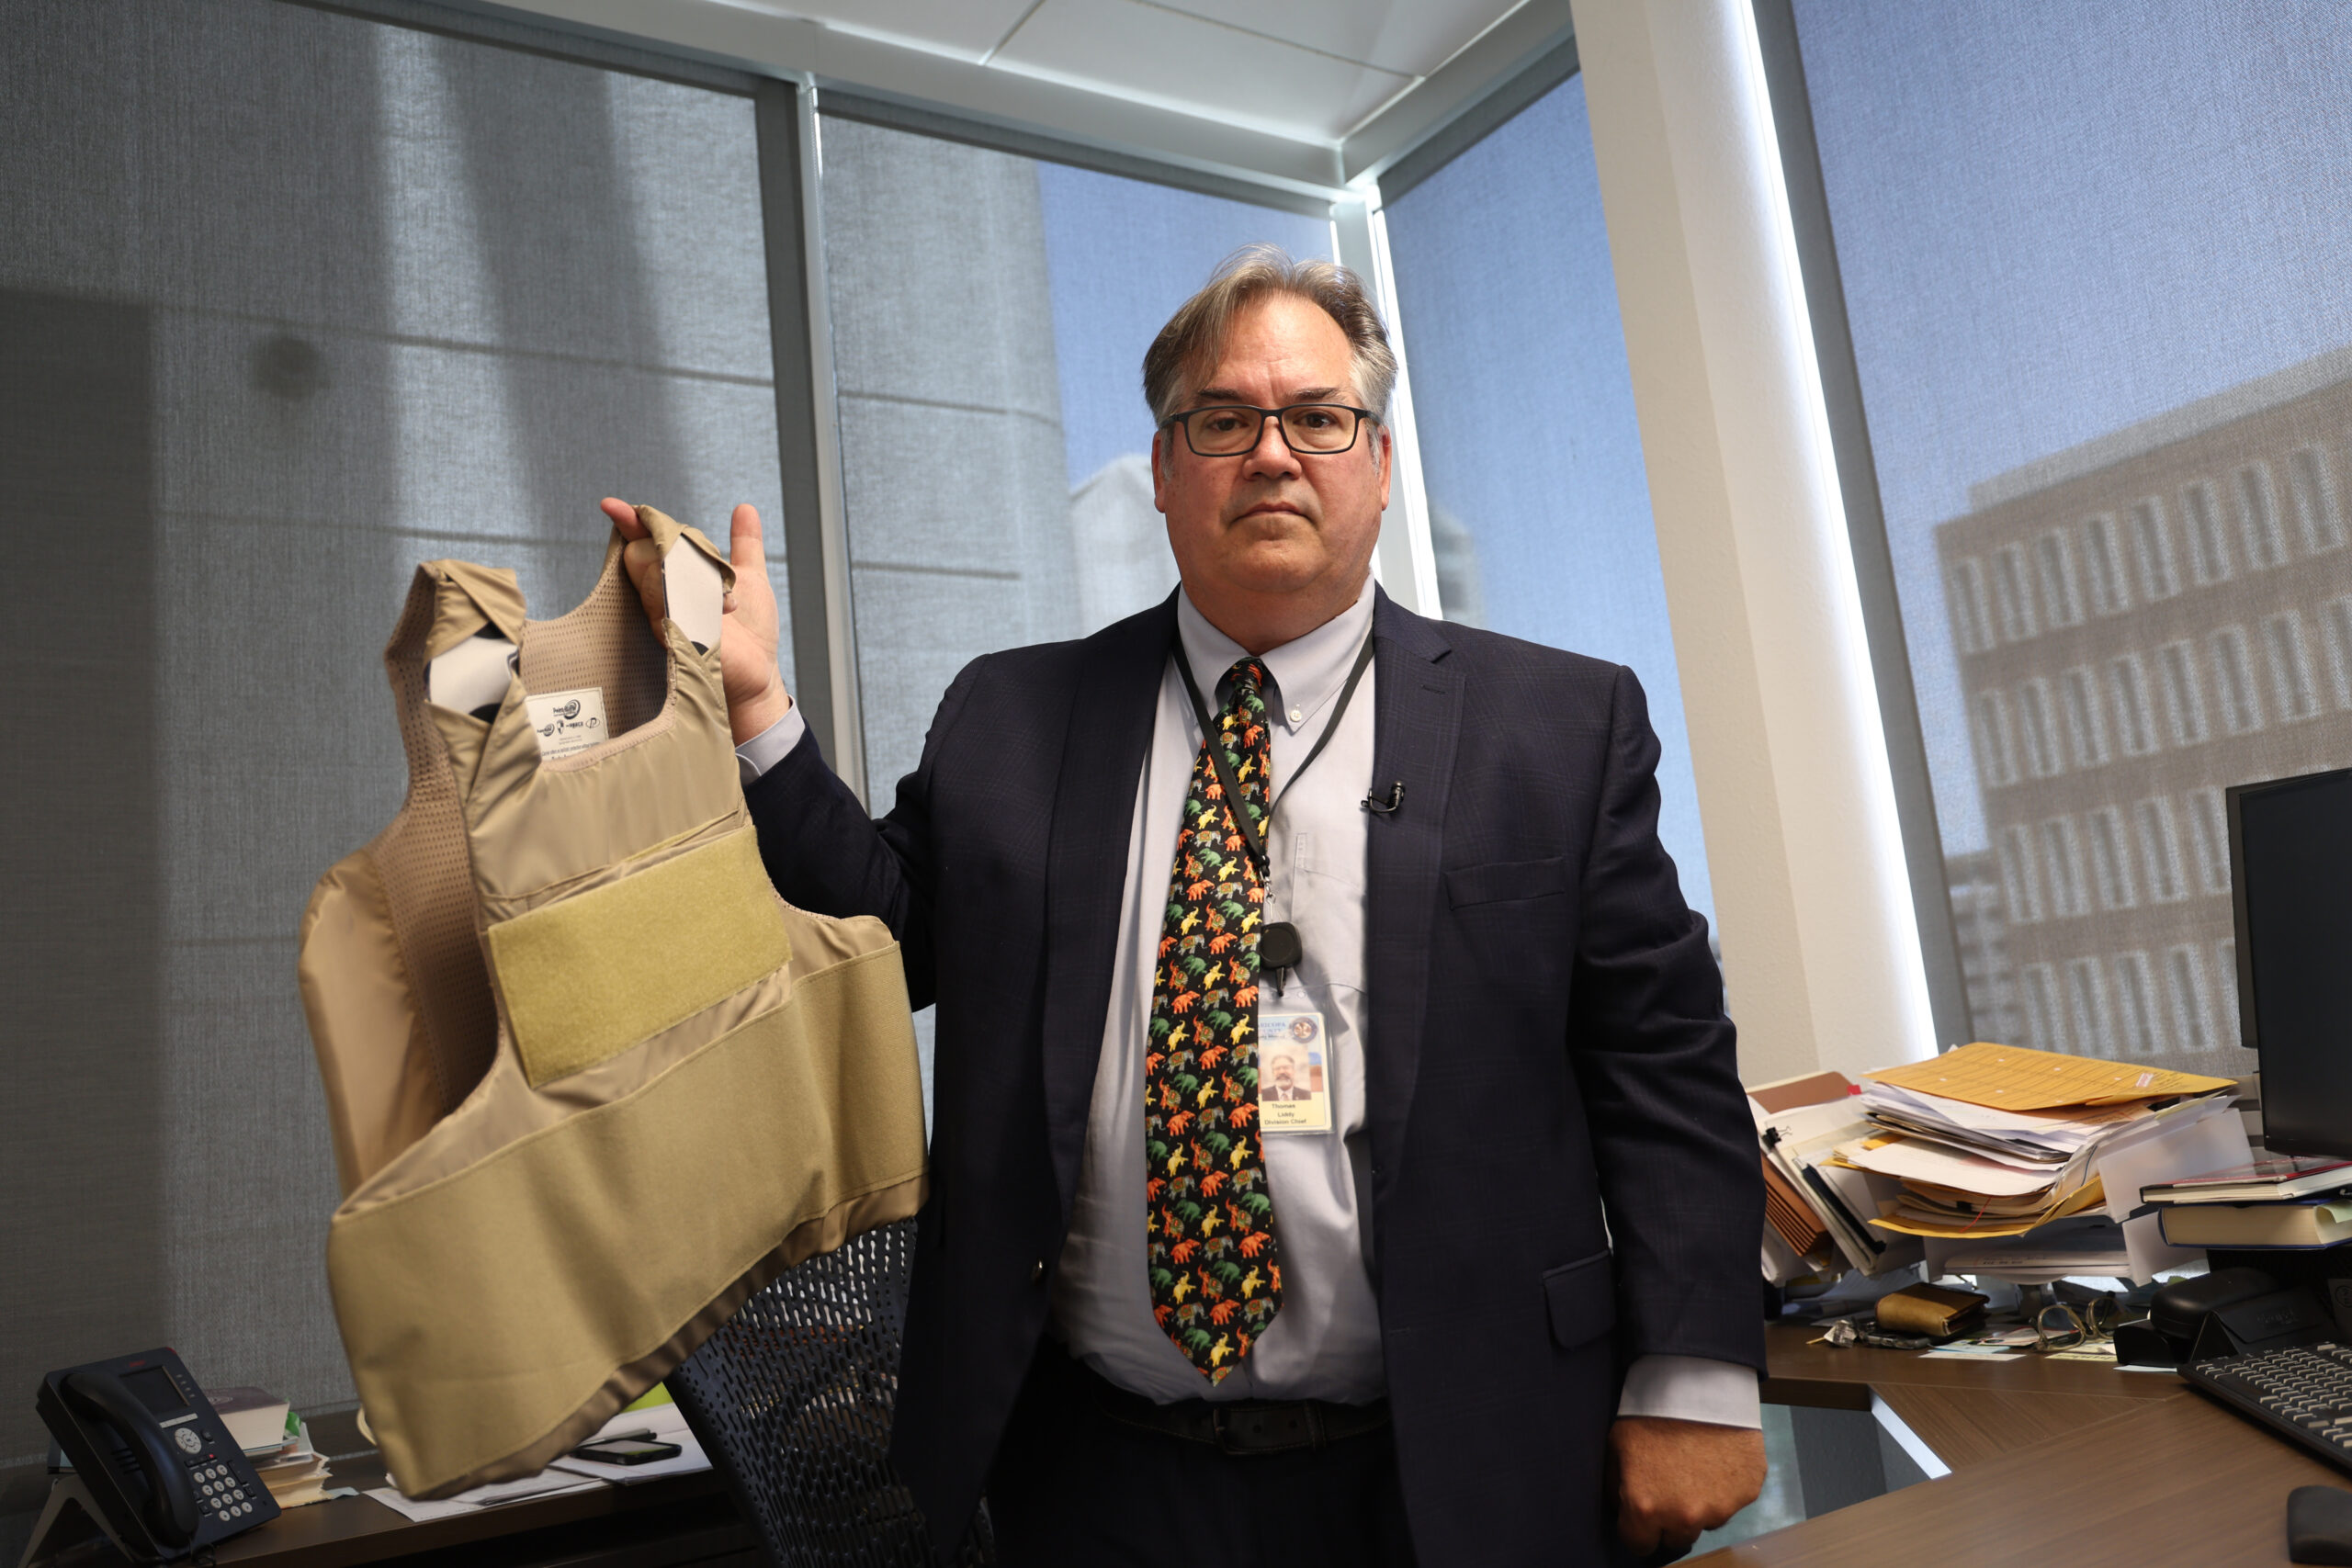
x=1414 y=37
x=1204 y=67
x=968 y=30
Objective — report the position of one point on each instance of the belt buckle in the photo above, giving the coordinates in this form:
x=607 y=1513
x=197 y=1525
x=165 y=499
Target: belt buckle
x=1230 y=1441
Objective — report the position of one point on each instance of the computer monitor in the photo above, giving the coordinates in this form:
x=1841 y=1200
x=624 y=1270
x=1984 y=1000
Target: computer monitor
x=2291 y=865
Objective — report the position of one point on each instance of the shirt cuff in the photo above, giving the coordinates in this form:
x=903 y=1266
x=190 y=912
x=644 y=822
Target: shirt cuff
x=1692 y=1388
x=770 y=746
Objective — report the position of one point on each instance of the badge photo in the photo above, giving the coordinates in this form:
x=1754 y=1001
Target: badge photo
x=1294 y=1077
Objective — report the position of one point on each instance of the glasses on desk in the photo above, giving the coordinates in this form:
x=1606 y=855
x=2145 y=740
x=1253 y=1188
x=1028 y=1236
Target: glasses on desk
x=2063 y=1325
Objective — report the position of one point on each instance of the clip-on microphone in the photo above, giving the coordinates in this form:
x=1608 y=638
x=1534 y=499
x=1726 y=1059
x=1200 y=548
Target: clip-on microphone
x=1395 y=800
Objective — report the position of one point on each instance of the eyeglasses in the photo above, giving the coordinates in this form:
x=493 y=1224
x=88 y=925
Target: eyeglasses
x=1228 y=430
x=2063 y=1326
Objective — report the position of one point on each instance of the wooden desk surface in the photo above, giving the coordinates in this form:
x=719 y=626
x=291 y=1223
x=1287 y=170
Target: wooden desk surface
x=675 y=1520
x=2057 y=1462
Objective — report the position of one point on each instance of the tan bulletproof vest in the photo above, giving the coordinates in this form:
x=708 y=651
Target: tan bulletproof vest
x=592 y=1082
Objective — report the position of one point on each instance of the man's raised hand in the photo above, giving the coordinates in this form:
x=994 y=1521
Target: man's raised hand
x=755 y=694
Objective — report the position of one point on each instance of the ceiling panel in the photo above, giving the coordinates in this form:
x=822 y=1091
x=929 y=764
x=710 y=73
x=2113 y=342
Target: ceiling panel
x=1414 y=37
x=968 y=30
x=1206 y=67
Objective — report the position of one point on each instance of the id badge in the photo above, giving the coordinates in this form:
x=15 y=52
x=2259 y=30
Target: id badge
x=1294 y=1071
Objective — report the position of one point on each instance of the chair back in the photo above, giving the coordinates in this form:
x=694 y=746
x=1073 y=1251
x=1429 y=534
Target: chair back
x=792 y=1400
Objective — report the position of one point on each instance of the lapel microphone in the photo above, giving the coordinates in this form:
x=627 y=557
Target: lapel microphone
x=1395 y=800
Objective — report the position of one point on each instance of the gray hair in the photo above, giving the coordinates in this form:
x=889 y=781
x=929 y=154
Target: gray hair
x=1186 y=347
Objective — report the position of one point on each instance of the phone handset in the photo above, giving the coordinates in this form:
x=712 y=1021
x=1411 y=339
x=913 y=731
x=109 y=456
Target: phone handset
x=170 y=1512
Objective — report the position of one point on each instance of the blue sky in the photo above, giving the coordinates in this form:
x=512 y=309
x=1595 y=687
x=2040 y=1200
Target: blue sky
x=2057 y=219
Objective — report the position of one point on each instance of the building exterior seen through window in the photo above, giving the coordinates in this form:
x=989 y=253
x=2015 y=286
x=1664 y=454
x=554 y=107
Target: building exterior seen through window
x=2102 y=357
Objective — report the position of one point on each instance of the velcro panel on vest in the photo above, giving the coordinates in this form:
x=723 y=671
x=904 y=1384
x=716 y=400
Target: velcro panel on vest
x=589 y=976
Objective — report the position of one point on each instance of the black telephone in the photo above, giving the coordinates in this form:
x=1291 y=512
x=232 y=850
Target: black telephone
x=153 y=1464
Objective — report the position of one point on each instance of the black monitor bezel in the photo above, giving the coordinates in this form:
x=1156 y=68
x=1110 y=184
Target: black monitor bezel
x=2249 y=1009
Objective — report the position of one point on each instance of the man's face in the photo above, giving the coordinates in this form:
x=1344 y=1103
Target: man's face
x=1283 y=1071
x=1268 y=524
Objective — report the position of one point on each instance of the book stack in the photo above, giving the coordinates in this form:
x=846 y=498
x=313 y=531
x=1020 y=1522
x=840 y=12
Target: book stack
x=2278 y=1201
x=276 y=1441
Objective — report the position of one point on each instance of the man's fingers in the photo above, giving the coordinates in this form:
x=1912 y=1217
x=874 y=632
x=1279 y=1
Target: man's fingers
x=744 y=548
x=624 y=517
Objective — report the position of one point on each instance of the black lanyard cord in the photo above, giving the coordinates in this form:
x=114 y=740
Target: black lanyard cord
x=1236 y=808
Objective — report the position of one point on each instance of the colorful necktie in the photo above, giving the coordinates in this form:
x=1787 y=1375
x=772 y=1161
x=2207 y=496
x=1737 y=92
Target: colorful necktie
x=1216 y=1277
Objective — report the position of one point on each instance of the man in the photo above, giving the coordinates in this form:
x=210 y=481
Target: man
x=1502 y=1298
x=1284 y=1084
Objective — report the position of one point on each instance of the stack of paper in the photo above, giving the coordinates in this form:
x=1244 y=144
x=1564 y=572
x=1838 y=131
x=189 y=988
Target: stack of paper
x=1990 y=1141
x=1813 y=1196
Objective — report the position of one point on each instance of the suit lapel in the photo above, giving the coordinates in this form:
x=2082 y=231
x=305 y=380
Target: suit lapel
x=1113 y=703
x=1417 y=719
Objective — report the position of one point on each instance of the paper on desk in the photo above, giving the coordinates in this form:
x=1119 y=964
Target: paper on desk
x=667 y=1423
x=548 y=1483
x=2013 y=1079
x=1918 y=1160
x=2201 y=1136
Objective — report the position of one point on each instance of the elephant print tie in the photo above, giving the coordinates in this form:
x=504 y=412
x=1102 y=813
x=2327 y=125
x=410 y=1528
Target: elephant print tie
x=1216 y=1277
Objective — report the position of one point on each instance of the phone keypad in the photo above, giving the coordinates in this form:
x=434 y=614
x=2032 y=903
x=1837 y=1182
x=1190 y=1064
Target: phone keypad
x=222 y=1493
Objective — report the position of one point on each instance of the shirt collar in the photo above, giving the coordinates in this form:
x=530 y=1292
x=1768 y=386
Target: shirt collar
x=1307 y=671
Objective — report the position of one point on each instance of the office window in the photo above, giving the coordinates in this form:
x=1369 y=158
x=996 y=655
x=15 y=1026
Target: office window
x=2290 y=666
x=2208 y=544
x=2038 y=728
x=1972 y=621
x=993 y=442
x=2103 y=567
x=2151 y=548
x=2234 y=681
x=2020 y=876
x=2013 y=595
x=2315 y=501
x=290 y=301
x=2007 y=233
x=1995 y=740
x=2112 y=860
x=2138 y=1019
x=2266 y=542
x=2135 y=722
x=2062 y=851
x=2054 y=553
x=2086 y=1007
x=2230 y=1026
x=2184 y=695
x=2086 y=717
x=2044 y=1027
x=2160 y=850
x=2208 y=838
x=1539 y=516
x=2192 y=1023
x=2336 y=615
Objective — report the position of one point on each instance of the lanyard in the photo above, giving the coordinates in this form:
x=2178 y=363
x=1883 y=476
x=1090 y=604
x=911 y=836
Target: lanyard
x=1251 y=835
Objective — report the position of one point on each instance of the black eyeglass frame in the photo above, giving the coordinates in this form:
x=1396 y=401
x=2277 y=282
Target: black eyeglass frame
x=1259 y=435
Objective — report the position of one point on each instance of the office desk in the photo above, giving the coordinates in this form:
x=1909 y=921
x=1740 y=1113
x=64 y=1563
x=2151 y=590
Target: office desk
x=2068 y=1460
x=680 y=1521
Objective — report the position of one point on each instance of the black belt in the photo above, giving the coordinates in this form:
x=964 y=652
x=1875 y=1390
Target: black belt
x=1241 y=1425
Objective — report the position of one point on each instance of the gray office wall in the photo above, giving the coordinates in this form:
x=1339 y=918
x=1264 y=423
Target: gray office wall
x=296 y=300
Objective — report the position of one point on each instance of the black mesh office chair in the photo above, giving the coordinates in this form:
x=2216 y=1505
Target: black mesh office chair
x=792 y=1401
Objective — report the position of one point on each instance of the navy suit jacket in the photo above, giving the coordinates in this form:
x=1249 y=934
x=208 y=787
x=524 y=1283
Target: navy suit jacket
x=1545 y=1045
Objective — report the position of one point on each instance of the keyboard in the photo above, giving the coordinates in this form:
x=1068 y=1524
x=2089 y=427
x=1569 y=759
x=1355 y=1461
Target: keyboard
x=2303 y=1392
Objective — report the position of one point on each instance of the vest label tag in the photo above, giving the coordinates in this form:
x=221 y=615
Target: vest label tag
x=566 y=722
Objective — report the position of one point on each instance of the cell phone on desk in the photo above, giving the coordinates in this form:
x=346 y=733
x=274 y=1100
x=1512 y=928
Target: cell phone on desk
x=150 y=1460
x=627 y=1450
